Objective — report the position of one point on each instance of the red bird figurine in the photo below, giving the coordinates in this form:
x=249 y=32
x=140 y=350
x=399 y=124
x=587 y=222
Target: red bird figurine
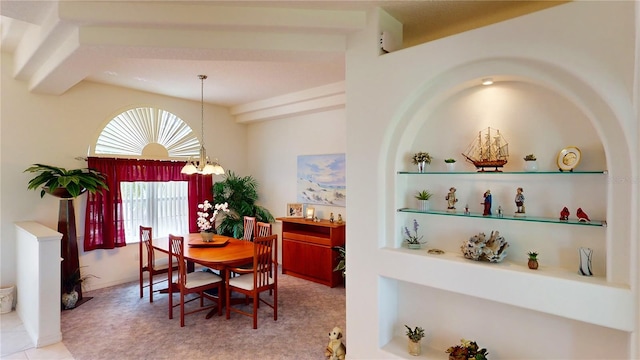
x=582 y=216
x=564 y=214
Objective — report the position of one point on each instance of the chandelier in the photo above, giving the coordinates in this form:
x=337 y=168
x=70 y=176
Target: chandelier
x=202 y=164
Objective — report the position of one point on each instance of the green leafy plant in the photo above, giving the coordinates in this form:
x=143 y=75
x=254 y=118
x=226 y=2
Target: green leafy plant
x=423 y=195
x=420 y=157
x=532 y=255
x=342 y=264
x=416 y=334
x=75 y=181
x=72 y=281
x=241 y=194
x=467 y=350
x=450 y=160
x=530 y=157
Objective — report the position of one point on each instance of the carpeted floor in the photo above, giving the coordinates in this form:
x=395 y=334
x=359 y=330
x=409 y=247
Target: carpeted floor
x=117 y=324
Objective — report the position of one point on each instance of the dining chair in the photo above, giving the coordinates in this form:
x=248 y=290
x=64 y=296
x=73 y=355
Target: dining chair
x=263 y=229
x=249 y=228
x=263 y=276
x=149 y=263
x=196 y=282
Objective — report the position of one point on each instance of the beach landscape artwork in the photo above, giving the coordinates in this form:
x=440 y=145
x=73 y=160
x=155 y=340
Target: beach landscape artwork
x=322 y=179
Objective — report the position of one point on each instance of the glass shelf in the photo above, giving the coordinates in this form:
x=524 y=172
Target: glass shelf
x=528 y=218
x=605 y=172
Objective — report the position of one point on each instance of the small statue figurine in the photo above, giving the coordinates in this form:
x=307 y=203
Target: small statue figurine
x=451 y=200
x=519 y=202
x=331 y=218
x=315 y=219
x=487 y=203
x=340 y=219
x=466 y=209
x=499 y=211
x=564 y=214
x=335 y=349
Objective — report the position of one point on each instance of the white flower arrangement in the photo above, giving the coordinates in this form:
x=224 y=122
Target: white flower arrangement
x=420 y=157
x=207 y=215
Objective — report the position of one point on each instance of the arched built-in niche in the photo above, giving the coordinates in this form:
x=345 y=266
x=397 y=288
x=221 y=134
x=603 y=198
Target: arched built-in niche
x=592 y=106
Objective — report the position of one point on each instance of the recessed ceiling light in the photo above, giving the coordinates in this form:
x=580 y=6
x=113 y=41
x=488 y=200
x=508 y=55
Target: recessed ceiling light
x=487 y=81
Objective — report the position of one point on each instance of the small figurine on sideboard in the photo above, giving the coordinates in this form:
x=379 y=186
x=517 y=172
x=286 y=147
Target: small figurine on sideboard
x=331 y=218
x=340 y=219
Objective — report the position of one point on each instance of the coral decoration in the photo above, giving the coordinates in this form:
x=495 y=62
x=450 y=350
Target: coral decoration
x=479 y=248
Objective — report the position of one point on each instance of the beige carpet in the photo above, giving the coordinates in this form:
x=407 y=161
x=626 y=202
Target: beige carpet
x=117 y=324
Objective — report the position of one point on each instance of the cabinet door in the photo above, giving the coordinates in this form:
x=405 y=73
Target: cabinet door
x=308 y=261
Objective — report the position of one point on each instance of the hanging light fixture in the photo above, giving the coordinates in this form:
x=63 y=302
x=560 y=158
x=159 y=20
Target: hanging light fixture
x=202 y=164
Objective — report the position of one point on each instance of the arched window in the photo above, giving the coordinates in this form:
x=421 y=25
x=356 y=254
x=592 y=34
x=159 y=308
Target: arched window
x=142 y=191
x=149 y=132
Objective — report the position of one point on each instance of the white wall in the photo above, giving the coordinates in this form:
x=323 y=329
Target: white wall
x=56 y=129
x=575 y=62
x=272 y=151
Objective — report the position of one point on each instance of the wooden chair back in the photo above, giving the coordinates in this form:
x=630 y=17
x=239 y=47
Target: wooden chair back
x=249 y=227
x=263 y=229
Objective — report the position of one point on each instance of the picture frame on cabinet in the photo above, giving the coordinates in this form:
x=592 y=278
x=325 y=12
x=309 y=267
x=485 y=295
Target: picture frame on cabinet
x=311 y=213
x=294 y=210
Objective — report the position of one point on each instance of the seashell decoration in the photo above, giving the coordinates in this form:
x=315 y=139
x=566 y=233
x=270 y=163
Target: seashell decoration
x=479 y=248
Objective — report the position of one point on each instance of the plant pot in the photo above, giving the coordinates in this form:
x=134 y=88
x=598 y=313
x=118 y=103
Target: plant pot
x=414 y=347
x=423 y=205
x=206 y=236
x=458 y=357
x=451 y=167
x=533 y=264
x=414 y=246
x=421 y=166
x=70 y=299
x=531 y=166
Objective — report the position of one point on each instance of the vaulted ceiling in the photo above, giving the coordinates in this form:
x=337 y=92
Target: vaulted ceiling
x=250 y=50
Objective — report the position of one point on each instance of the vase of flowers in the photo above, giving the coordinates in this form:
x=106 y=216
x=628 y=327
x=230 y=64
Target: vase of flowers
x=421 y=159
x=413 y=240
x=207 y=218
x=467 y=350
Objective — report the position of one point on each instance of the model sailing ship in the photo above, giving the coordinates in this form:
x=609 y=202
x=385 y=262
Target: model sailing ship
x=489 y=150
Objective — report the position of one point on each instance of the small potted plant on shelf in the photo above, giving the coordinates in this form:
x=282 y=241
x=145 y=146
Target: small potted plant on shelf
x=533 y=260
x=423 y=199
x=530 y=163
x=467 y=350
x=414 y=336
x=413 y=241
x=421 y=159
x=451 y=163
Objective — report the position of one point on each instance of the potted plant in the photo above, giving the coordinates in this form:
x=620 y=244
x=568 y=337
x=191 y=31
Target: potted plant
x=414 y=335
x=467 y=350
x=67 y=185
x=342 y=264
x=451 y=163
x=421 y=159
x=413 y=241
x=423 y=199
x=533 y=260
x=70 y=286
x=530 y=163
x=241 y=195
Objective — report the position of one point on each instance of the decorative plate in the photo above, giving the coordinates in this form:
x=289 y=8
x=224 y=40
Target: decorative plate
x=569 y=158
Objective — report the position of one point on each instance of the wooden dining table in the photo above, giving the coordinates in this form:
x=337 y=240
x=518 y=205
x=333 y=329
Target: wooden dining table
x=234 y=253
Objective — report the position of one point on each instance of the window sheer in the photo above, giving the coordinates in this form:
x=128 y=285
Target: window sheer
x=164 y=206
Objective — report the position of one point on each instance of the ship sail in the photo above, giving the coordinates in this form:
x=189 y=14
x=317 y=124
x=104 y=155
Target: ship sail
x=489 y=149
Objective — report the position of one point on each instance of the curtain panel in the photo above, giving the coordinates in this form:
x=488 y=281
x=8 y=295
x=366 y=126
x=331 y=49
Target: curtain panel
x=104 y=223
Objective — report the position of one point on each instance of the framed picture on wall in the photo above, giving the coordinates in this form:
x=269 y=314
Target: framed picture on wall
x=294 y=210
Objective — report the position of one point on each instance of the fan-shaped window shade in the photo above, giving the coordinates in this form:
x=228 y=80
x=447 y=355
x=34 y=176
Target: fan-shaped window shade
x=145 y=131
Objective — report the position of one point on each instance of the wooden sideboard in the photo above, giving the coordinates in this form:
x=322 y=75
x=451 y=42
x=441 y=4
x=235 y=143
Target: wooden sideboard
x=307 y=249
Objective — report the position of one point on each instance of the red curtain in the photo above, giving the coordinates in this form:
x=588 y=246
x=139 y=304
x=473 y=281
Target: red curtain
x=104 y=224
